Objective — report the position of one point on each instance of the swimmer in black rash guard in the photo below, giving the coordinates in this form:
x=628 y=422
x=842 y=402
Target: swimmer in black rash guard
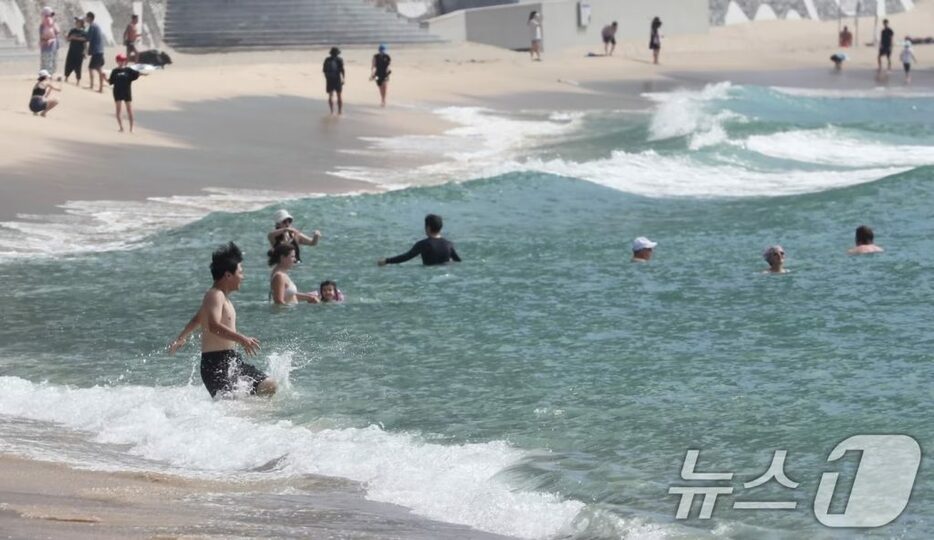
x=434 y=249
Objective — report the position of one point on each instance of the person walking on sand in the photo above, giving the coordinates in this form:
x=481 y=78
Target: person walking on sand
x=379 y=72
x=865 y=242
x=609 y=38
x=885 y=45
x=121 y=78
x=907 y=57
x=77 y=42
x=535 y=34
x=655 y=39
x=48 y=41
x=434 y=249
x=222 y=367
x=40 y=103
x=334 y=79
x=96 y=52
x=130 y=37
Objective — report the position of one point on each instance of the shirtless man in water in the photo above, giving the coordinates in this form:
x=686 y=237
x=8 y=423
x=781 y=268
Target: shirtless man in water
x=222 y=367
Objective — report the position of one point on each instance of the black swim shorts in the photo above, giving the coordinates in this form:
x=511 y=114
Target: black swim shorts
x=609 y=39
x=380 y=81
x=37 y=104
x=334 y=85
x=885 y=51
x=97 y=61
x=220 y=371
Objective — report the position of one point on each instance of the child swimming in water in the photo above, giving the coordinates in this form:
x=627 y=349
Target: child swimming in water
x=327 y=292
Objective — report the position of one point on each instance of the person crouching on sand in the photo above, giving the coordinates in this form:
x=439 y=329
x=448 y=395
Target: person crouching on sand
x=282 y=290
x=121 y=78
x=40 y=103
x=775 y=256
x=222 y=367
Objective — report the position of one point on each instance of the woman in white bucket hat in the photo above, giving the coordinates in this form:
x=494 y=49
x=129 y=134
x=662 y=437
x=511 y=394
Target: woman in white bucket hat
x=285 y=233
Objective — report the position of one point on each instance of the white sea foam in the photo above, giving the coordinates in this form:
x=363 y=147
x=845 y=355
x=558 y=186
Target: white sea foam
x=685 y=113
x=899 y=92
x=184 y=429
x=832 y=146
x=86 y=226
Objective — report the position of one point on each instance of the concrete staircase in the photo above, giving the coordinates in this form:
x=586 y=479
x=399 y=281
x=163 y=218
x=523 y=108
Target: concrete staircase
x=11 y=50
x=212 y=25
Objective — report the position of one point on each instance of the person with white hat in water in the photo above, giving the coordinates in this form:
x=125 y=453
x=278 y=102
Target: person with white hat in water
x=907 y=57
x=285 y=233
x=40 y=103
x=642 y=249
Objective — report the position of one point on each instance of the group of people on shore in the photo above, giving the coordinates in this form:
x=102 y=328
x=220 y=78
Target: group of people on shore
x=222 y=367
x=85 y=39
x=886 y=46
x=607 y=34
x=335 y=76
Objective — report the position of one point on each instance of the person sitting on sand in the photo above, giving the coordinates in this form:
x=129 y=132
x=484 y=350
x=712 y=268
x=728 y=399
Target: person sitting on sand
x=285 y=233
x=609 y=38
x=222 y=367
x=864 y=242
x=40 y=103
x=642 y=249
x=282 y=290
x=434 y=249
x=838 y=59
x=328 y=293
x=775 y=256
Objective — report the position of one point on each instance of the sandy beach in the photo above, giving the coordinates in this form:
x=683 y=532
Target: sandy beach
x=259 y=121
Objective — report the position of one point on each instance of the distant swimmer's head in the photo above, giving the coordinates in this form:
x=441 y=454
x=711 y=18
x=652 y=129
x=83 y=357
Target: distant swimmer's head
x=433 y=224
x=335 y=51
x=327 y=291
x=383 y=47
x=44 y=74
x=864 y=236
x=775 y=256
x=281 y=217
x=283 y=253
x=225 y=266
x=642 y=248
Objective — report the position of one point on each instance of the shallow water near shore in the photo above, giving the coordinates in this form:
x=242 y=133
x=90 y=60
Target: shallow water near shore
x=546 y=386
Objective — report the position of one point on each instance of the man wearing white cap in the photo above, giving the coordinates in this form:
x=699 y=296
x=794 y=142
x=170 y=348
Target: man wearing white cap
x=285 y=233
x=642 y=249
x=48 y=41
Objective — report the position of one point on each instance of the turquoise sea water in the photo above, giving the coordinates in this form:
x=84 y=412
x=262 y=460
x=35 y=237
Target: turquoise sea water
x=546 y=387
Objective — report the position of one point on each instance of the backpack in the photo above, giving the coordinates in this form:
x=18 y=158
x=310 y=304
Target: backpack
x=332 y=67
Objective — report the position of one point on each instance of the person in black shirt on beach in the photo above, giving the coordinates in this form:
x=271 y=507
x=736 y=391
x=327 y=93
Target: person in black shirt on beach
x=121 y=78
x=77 y=41
x=434 y=249
x=885 y=45
x=333 y=69
x=379 y=72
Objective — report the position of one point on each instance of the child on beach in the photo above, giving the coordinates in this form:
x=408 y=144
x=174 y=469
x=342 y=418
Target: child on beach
x=121 y=78
x=40 y=103
x=907 y=57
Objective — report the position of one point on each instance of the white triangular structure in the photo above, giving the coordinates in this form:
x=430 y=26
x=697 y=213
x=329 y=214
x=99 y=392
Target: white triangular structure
x=735 y=15
x=908 y=4
x=11 y=15
x=812 y=11
x=792 y=15
x=765 y=13
x=102 y=17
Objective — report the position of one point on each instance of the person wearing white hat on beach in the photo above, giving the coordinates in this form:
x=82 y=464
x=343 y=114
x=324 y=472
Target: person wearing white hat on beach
x=40 y=103
x=642 y=249
x=907 y=57
x=285 y=233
